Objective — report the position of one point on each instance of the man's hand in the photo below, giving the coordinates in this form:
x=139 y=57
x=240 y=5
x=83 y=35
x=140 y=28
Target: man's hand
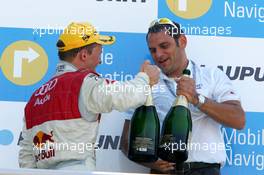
x=152 y=71
x=229 y=113
x=160 y=165
x=186 y=86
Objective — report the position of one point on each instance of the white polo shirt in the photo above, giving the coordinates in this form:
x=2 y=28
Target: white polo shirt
x=207 y=143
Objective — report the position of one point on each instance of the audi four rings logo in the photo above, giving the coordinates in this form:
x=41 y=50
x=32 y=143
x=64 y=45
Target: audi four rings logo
x=46 y=87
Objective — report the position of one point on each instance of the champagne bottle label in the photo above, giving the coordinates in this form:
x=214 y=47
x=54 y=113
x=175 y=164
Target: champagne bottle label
x=143 y=144
x=170 y=143
x=173 y=150
x=166 y=142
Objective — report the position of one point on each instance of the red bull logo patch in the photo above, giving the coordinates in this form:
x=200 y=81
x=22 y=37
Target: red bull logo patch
x=43 y=144
x=42 y=138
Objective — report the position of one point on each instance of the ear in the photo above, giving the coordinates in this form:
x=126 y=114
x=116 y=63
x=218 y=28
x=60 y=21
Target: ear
x=83 y=54
x=182 y=41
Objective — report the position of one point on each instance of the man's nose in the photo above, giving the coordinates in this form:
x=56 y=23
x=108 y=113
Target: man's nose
x=159 y=53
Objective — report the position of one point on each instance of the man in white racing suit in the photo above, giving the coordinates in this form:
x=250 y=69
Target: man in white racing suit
x=62 y=116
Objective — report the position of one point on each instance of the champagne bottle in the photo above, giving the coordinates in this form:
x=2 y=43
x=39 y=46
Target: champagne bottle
x=176 y=130
x=144 y=133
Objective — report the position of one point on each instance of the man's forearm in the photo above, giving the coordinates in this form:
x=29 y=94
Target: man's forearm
x=228 y=113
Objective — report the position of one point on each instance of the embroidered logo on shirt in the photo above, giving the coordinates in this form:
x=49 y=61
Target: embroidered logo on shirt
x=92 y=75
x=199 y=86
x=60 y=68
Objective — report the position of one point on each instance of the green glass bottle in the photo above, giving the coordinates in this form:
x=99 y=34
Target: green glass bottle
x=176 y=130
x=144 y=133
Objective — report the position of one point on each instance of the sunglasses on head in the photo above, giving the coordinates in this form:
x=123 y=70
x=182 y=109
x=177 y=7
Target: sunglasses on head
x=162 y=21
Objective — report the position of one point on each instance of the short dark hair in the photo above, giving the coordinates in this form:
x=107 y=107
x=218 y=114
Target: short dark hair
x=174 y=31
x=70 y=54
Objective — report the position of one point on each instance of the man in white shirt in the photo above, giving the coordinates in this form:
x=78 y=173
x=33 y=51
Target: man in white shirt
x=213 y=101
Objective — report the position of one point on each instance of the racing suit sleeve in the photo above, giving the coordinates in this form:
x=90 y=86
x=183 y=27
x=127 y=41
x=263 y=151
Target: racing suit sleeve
x=26 y=158
x=102 y=95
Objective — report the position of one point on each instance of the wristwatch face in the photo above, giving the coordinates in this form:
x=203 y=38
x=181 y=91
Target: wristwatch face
x=201 y=99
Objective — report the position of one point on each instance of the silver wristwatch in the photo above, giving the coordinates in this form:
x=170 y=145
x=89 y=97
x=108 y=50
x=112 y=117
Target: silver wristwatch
x=201 y=100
